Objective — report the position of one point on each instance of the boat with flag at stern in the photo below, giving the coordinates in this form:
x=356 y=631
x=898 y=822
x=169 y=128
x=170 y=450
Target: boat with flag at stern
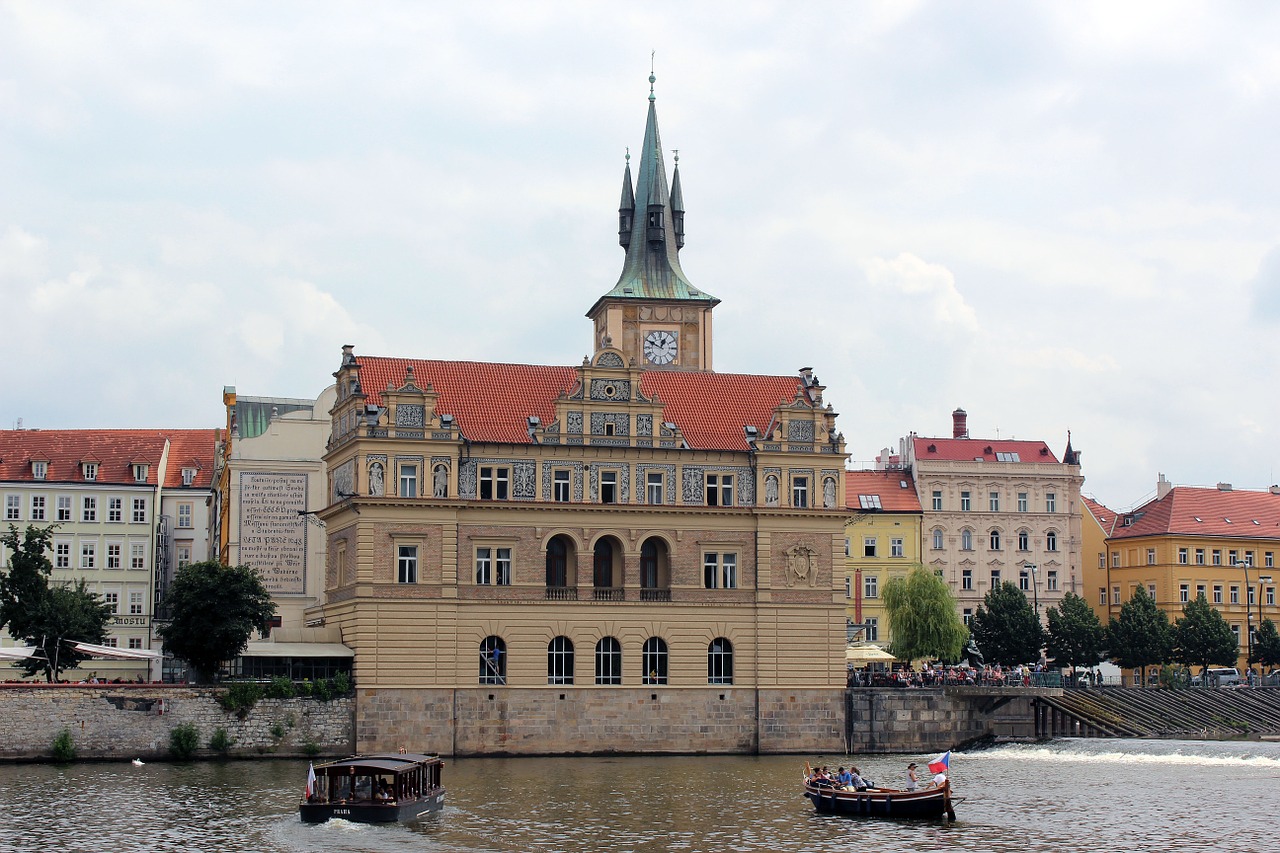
x=934 y=800
x=380 y=788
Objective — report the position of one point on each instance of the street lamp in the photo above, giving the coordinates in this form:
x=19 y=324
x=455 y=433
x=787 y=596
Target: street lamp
x=1035 y=592
x=1248 y=613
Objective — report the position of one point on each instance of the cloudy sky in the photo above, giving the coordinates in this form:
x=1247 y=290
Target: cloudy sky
x=1060 y=216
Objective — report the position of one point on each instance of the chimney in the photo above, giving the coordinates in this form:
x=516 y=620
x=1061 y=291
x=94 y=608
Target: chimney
x=1275 y=490
x=1163 y=487
x=959 y=424
x=1224 y=487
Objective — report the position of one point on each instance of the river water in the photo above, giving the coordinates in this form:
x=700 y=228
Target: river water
x=1066 y=795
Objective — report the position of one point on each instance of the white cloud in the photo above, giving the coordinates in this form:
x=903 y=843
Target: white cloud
x=941 y=301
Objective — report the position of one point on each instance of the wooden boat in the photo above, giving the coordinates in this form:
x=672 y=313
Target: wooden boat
x=882 y=802
x=381 y=788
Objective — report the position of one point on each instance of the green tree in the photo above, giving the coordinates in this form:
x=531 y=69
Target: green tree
x=214 y=609
x=922 y=617
x=1201 y=636
x=1141 y=636
x=49 y=617
x=1006 y=628
x=1076 y=636
x=1266 y=644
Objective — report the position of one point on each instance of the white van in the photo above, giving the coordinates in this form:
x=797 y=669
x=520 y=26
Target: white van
x=1218 y=676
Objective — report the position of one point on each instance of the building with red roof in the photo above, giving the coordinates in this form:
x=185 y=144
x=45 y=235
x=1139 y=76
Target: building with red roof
x=632 y=554
x=882 y=542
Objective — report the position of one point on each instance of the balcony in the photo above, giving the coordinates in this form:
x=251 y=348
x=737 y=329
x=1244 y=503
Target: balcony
x=608 y=593
x=655 y=595
x=562 y=593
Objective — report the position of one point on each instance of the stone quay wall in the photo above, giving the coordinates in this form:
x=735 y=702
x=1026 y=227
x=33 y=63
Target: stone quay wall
x=125 y=721
x=934 y=719
x=555 y=721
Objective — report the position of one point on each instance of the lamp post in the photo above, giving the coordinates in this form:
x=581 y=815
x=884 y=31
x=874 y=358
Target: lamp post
x=1035 y=592
x=1248 y=614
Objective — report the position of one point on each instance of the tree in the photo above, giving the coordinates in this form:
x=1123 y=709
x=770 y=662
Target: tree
x=922 y=617
x=1201 y=636
x=214 y=609
x=1266 y=644
x=1141 y=636
x=1006 y=628
x=47 y=617
x=1076 y=636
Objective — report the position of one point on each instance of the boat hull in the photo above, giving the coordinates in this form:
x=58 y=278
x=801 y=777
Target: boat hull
x=931 y=803
x=402 y=812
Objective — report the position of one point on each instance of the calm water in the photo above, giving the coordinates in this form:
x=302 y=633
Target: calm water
x=1070 y=795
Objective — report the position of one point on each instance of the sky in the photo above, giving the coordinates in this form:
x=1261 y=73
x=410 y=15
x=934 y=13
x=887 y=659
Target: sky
x=1058 y=216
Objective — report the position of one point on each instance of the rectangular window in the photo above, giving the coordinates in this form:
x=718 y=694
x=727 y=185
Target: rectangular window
x=184 y=555
x=408 y=481
x=1151 y=591
x=895 y=548
x=1102 y=595
x=112 y=600
x=13 y=507
x=1232 y=558
x=138 y=555
x=1217 y=557
x=870 y=502
x=39 y=470
x=113 y=555
x=1199 y=556
x=1115 y=595
x=407 y=564
x=135 y=643
x=139 y=473
x=1183 y=556
x=608 y=487
x=1151 y=556
x=184 y=515
x=188 y=476
x=846 y=546
x=1022 y=502
x=937 y=500
x=729 y=571
x=493 y=566
x=64 y=507
x=502 y=566
x=37 y=507
x=1253 y=599
x=720 y=490
x=1269 y=560
x=1024 y=580
x=1217 y=593
x=560 y=486
x=848 y=587
x=139 y=510
x=968 y=616
x=995 y=578
x=868 y=546
x=873 y=629
x=871 y=586
x=1235 y=594
x=62 y=555
x=964 y=501
x=494 y=483
x=1050 y=502
x=89 y=508
x=721 y=571
x=115 y=509
x=1051 y=580
x=135 y=604
x=993 y=501
x=1184 y=593
x=111 y=642
x=484 y=566
x=88 y=555
x=1271 y=596
x=90 y=470
x=1200 y=590
x=653 y=487
x=966 y=578
x=1115 y=559
x=800 y=492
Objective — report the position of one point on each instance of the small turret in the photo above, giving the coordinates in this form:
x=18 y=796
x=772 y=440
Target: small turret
x=677 y=203
x=627 y=207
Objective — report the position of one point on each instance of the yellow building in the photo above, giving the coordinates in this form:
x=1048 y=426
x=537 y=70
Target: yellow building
x=882 y=541
x=633 y=554
x=1220 y=543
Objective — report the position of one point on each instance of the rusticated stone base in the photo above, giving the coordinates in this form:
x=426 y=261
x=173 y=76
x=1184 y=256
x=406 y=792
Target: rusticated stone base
x=933 y=719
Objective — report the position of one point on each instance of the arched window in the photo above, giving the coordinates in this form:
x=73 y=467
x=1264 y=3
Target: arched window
x=720 y=662
x=649 y=565
x=937 y=540
x=557 y=563
x=560 y=661
x=655 y=570
x=966 y=540
x=995 y=540
x=608 y=661
x=602 y=570
x=653 y=661
x=493 y=661
x=1051 y=541
x=1024 y=540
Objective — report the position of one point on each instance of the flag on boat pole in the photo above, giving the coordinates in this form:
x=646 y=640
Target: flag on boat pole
x=311 y=780
x=941 y=764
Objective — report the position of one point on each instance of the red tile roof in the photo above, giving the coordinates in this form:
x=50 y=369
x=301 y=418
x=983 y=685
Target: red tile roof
x=1188 y=511
x=971 y=449
x=888 y=485
x=115 y=451
x=1105 y=517
x=493 y=401
x=190 y=448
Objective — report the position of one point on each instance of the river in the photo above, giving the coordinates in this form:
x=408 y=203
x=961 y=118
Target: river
x=1066 y=795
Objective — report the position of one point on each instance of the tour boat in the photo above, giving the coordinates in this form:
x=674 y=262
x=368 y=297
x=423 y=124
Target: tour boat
x=381 y=788
x=882 y=802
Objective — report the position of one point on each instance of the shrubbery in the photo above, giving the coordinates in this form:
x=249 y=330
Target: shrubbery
x=184 y=740
x=64 y=748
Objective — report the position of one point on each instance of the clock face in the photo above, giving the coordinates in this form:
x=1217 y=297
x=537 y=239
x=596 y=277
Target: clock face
x=660 y=347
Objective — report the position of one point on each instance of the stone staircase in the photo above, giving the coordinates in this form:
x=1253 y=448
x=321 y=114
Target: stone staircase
x=1194 y=713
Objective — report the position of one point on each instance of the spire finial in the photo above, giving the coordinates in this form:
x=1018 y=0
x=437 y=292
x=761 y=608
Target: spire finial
x=652 y=78
x=676 y=152
x=628 y=158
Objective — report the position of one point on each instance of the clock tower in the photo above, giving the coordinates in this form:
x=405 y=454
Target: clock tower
x=653 y=315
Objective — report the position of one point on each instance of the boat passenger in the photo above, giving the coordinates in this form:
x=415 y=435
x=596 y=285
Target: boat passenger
x=912 y=781
x=859 y=784
x=939 y=780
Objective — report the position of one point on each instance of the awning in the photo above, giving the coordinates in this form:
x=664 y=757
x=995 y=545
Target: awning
x=18 y=653
x=297 y=650
x=867 y=654
x=113 y=653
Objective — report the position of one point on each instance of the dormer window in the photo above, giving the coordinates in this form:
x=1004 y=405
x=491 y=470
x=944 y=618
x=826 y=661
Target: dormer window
x=139 y=472
x=39 y=470
x=90 y=470
x=188 y=476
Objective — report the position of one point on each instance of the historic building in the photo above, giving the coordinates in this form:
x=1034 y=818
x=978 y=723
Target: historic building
x=128 y=505
x=997 y=510
x=882 y=542
x=1217 y=542
x=631 y=554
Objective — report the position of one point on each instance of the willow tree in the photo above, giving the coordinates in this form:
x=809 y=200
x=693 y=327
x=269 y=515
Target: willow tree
x=922 y=617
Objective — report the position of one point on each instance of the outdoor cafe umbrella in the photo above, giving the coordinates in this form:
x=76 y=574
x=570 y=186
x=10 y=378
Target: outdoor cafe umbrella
x=867 y=654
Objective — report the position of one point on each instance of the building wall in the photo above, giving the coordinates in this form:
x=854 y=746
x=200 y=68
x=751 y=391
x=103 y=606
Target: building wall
x=866 y=575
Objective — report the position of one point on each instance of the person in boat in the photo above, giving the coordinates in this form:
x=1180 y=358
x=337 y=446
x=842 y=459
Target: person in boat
x=913 y=782
x=844 y=778
x=859 y=783
x=939 y=779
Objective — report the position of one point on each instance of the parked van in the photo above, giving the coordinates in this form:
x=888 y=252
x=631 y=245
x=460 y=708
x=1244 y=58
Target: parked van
x=1218 y=676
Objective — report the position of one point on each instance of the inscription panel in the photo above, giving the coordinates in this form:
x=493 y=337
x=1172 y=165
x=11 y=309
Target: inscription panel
x=273 y=536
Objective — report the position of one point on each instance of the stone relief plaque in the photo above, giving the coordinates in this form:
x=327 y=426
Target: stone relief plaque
x=273 y=536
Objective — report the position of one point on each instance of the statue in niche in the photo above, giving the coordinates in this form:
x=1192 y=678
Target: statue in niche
x=771 y=490
x=441 y=482
x=375 y=479
x=829 y=493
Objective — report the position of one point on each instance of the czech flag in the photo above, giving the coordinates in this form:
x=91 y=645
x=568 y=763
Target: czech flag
x=941 y=764
x=311 y=780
